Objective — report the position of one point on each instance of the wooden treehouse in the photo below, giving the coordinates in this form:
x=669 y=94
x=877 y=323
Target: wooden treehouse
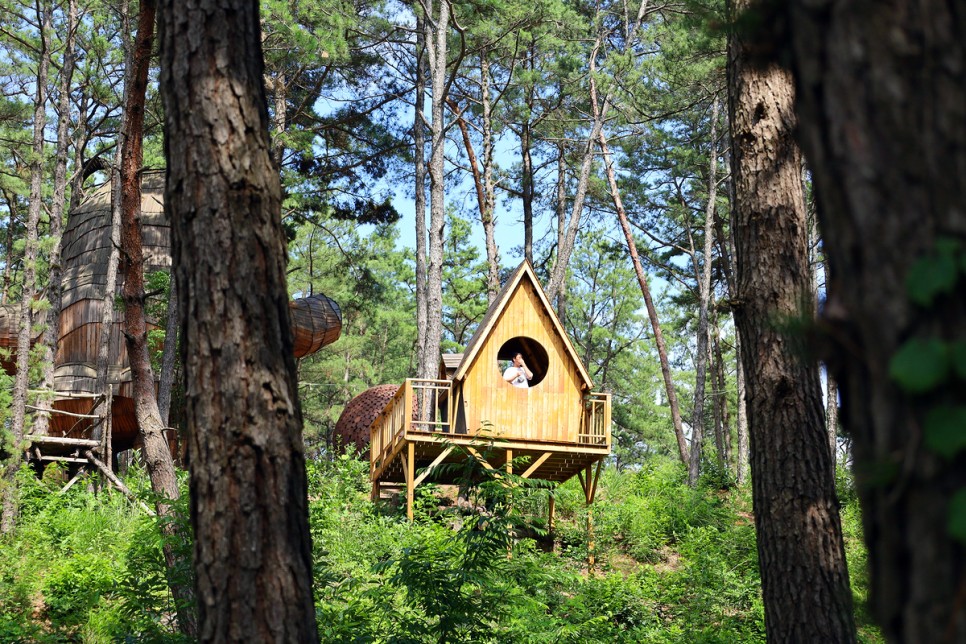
x=557 y=422
x=88 y=419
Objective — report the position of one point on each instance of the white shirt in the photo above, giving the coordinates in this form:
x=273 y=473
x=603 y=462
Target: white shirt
x=521 y=377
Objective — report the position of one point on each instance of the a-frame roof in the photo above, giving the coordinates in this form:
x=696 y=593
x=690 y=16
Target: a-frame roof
x=523 y=272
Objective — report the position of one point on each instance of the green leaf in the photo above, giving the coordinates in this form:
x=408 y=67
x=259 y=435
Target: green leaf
x=920 y=365
x=945 y=430
x=931 y=276
x=957 y=516
x=957 y=355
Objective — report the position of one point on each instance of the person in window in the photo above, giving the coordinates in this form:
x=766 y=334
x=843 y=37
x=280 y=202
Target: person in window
x=517 y=374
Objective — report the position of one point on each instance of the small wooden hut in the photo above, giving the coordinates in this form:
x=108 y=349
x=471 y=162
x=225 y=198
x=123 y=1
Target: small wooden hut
x=558 y=423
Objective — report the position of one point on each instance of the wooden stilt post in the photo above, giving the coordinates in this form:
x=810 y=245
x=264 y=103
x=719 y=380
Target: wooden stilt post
x=410 y=478
x=590 y=520
x=509 y=536
x=550 y=519
x=374 y=495
x=590 y=490
x=109 y=428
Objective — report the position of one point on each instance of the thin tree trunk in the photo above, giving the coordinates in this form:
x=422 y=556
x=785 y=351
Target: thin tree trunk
x=168 y=356
x=805 y=582
x=157 y=456
x=107 y=328
x=18 y=415
x=437 y=40
x=249 y=506
x=723 y=413
x=80 y=138
x=485 y=191
x=489 y=210
x=54 y=297
x=419 y=165
x=704 y=298
x=526 y=170
x=648 y=303
x=557 y=286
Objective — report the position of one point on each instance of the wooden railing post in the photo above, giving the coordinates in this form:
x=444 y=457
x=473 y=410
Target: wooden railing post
x=408 y=406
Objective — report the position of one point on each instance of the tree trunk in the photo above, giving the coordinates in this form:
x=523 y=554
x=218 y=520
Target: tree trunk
x=888 y=160
x=437 y=37
x=18 y=414
x=722 y=411
x=58 y=202
x=169 y=355
x=489 y=185
x=157 y=456
x=703 y=278
x=253 y=551
x=805 y=583
x=483 y=183
x=648 y=303
x=419 y=165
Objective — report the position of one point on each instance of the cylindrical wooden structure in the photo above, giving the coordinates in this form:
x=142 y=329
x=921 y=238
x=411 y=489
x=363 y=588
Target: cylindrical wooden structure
x=316 y=320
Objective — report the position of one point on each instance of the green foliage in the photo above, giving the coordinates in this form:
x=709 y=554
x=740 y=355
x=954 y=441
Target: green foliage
x=82 y=567
x=676 y=564
x=920 y=365
x=957 y=516
x=935 y=274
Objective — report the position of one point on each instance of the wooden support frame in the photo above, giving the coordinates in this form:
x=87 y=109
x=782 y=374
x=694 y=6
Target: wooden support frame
x=408 y=466
x=429 y=470
x=588 y=481
x=536 y=465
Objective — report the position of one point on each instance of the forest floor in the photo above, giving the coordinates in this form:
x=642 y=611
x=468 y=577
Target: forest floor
x=674 y=564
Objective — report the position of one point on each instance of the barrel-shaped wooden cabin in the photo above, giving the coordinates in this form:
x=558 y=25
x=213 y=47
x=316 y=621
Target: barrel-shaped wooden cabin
x=86 y=250
x=557 y=422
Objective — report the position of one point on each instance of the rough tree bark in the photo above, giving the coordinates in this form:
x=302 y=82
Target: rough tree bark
x=157 y=456
x=881 y=91
x=248 y=484
x=805 y=583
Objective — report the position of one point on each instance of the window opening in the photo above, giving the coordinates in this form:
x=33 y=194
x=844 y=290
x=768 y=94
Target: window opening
x=534 y=355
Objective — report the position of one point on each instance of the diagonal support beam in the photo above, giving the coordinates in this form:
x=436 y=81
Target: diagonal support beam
x=429 y=470
x=536 y=464
x=481 y=460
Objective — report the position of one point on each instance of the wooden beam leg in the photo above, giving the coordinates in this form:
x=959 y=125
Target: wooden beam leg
x=410 y=479
x=374 y=496
x=589 y=496
x=550 y=519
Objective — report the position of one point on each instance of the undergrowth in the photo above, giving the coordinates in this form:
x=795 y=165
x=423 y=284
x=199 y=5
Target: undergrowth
x=674 y=564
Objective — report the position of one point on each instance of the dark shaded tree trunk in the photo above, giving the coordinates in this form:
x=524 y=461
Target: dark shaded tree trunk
x=157 y=457
x=248 y=485
x=805 y=583
x=881 y=91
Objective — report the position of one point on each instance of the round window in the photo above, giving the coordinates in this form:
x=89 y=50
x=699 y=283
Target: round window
x=534 y=357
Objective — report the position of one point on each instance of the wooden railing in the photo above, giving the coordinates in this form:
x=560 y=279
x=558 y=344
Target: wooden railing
x=595 y=424
x=416 y=407
x=431 y=398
